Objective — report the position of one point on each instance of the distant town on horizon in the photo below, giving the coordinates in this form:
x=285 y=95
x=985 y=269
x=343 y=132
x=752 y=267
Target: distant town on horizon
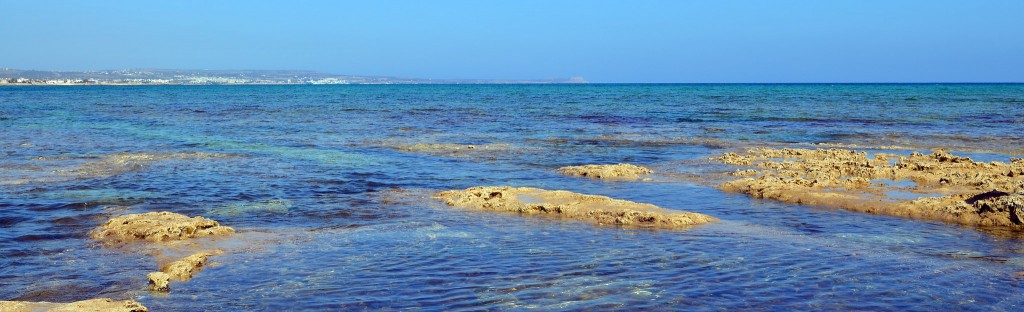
x=228 y=77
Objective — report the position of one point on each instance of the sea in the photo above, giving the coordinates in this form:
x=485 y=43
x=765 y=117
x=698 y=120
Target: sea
x=333 y=210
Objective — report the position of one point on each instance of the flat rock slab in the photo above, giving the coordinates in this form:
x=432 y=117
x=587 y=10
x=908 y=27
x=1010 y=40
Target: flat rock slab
x=943 y=187
x=92 y=305
x=157 y=227
x=606 y=172
x=594 y=209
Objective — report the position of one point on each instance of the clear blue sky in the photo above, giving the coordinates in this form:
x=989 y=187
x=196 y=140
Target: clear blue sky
x=603 y=41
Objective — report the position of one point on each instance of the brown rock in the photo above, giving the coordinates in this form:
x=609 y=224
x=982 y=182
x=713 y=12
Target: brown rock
x=180 y=270
x=157 y=227
x=734 y=159
x=92 y=305
x=184 y=268
x=563 y=204
x=163 y=227
x=159 y=281
x=607 y=172
x=980 y=194
x=744 y=173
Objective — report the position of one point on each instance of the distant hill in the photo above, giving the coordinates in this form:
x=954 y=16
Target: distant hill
x=188 y=76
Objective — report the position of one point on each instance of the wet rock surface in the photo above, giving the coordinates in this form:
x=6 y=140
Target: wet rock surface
x=183 y=269
x=180 y=270
x=606 y=172
x=92 y=305
x=157 y=227
x=946 y=187
x=159 y=281
x=594 y=209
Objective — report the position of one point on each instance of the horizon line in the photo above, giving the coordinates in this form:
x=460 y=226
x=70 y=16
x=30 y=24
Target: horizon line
x=522 y=80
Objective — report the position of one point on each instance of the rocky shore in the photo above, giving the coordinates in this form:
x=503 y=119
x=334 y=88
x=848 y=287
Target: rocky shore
x=937 y=186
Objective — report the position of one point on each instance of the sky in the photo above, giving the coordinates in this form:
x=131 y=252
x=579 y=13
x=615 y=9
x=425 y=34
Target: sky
x=602 y=41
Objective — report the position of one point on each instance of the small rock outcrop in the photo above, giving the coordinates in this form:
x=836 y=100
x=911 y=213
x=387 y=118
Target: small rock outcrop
x=606 y=172
x=594 y=209
x=181 y=270
x=159 y=281
x=184 y=268
x=157 y=227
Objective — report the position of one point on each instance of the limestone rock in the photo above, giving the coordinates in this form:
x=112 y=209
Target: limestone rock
x=607 y=172
x=159 y=281
x=954 y=189
x=563 y=204
x=92 y=305
x=184 y=268
x=157 y=227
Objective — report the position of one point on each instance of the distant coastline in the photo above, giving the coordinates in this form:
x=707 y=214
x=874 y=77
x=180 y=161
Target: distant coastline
x=130 y=77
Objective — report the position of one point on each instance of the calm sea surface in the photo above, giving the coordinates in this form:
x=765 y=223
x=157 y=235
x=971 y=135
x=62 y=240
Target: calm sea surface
x=332 y=216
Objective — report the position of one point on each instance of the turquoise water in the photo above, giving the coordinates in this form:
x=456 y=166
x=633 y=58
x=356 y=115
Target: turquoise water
x=310 y=177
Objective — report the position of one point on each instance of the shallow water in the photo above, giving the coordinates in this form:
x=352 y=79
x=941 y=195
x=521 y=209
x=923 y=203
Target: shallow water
x=310 y=174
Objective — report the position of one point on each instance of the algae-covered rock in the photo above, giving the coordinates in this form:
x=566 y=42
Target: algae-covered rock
x=157 y=227
x=564 y=204
x=607 y=172
x=92 y=305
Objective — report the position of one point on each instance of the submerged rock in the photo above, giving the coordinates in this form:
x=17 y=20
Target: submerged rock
x=952 y=188
x=607 y=172
x=278 y=206
x=114 y=164
x=157 y=227
x=448 y=149
x=92 y=305
x=564 y=204
x=57 y=169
